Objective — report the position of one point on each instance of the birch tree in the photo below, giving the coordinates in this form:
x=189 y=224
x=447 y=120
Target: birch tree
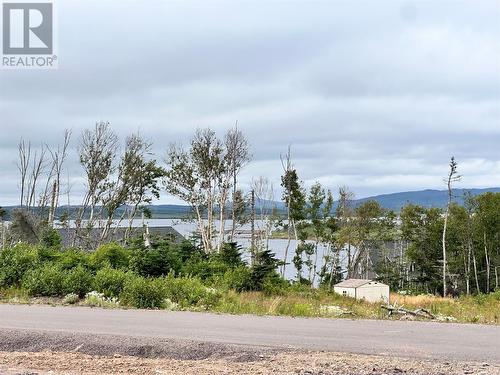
x=97 y=153
x=238 y=155
x=202 y=176
x=452 y=177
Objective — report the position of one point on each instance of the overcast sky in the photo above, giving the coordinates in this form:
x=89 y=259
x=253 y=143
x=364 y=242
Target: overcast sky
x=376 y=95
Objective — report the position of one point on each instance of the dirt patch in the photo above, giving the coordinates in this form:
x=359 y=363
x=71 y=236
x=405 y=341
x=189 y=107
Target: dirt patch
x=301 y=363
x=110 y=345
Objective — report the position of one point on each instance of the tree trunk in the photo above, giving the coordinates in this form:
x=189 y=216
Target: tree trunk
x=444 y=249
x=487 y=258
x=285 y=256
x=233 y=208
x=252 y=244
x=475 y=273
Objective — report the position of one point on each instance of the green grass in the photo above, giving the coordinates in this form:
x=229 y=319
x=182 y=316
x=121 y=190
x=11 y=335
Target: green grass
x=483 y=309
x=304 y=302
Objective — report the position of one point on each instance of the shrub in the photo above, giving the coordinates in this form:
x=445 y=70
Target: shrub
x=95 y=299
x=238 y=279
x=71 y=258
x=273 y=284
x=44 y=281
x=189 y=292
x=207 y=270
x=15 y=262
x=110 y=281
x=230 y=255
x=156 y=262
x=264 y=268
x=50 y=237
x=110 y=254
x=71 y=299
x=78 y=281
x=144 y=293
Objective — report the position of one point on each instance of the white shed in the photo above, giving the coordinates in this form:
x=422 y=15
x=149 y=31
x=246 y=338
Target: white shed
x=369 y=290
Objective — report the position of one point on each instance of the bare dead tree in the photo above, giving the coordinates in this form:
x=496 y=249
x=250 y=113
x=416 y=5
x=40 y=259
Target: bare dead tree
x=452 y=177
x=36 y=171
x=24 y=157
x=238 y=155
x=58 y=157
x=264 y=193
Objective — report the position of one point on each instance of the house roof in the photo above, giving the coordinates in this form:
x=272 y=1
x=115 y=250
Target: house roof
x=353 y=283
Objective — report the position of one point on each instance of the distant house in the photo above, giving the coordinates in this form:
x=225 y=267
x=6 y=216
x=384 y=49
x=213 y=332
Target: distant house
x=369 y=290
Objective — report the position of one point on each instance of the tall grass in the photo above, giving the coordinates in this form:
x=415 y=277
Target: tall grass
x=316 y=303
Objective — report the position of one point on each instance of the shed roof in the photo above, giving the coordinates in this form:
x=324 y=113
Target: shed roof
x=353 y=283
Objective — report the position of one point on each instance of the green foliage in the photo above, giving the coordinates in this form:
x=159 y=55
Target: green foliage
x=44 y=281
x=273 y=284
x=78 y=280
x=230 y=255
x=110 y=281
x=263 y=269
x=71 y=299
x=110 y=254
x=238 y=279
x=156 y=262
x=422 y=228
x=294 y=195
x=51 y=238
x=71 y=258
x=144 y=293
x=190 y=292
x=96 y=299
x=15 y=262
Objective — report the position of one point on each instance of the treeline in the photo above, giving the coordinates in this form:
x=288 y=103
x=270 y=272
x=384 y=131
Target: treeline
x=450 y=251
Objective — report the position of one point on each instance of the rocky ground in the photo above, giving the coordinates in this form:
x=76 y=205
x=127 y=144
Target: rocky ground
x=29 y=353
x=301 y=363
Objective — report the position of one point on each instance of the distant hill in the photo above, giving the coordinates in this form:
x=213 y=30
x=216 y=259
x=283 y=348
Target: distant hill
x=393 y=201
x=426 y=198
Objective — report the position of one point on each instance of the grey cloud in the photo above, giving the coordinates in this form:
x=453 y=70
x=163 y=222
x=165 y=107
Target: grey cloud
x=374 y=95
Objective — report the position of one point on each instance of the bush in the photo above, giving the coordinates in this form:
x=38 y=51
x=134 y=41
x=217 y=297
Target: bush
x=50 y=237
x=78 y=280
x=110 y=254
x=95 y=299
x=156 y=262
x=273 y=284
x=110 y=281
x=71 y=258
x=188 y=292
x=15 y=262
x=71 y=299
x=230 y=255
x=238 y=279
x=206 y=270
x=144 y=293
x=44 y=281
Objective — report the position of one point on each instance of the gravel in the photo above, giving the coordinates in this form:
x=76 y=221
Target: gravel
x=40 y=353
x=109 y=345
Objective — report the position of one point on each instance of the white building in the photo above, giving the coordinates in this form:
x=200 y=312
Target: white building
x=369 y=290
